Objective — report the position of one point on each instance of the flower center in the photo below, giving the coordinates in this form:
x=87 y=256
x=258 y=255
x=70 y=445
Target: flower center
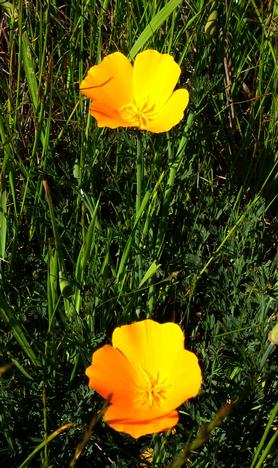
x=138 y=115
x=154 y=391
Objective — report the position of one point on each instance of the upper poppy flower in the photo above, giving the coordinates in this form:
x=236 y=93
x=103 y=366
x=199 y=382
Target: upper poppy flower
x=146 y=374
x=140 y=96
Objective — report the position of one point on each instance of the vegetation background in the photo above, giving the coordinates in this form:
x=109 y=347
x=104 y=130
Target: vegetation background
x=78 y=257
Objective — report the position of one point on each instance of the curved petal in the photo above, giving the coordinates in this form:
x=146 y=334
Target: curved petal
x=112 y=376
x=149 y=346
x=171 y=114
x=107 y=117
x=136 y=410
x=137 y=428
x=155 y=76
x=186 y=380
x=109 y=84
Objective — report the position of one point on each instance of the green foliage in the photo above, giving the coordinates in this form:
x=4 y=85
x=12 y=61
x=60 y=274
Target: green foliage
x=82 y=252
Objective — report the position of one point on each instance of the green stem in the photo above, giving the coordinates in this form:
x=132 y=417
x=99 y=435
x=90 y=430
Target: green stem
x=174 y=164
x=139 y=189
x=80 y=447
x=266 y=354
x=45 y=459
x=65 y=285
x=202 y=436
x=139 y=174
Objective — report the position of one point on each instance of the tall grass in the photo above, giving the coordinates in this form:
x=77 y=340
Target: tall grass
x=82 y=251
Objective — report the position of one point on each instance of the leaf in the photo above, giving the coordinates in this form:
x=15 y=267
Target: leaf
x=20 y=334
x=153 y=25
x=149 y=273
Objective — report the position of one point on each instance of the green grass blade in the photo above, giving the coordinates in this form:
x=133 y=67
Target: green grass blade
x=263 y=439
x=20 y=367
x=267 y=450
x=84 y=256
x=29 y=68
x=154 y=24
x=3 y=222
x=65 y=286
x=149 y=273
x=45 y=442
x=18 y=330
x=131 y=237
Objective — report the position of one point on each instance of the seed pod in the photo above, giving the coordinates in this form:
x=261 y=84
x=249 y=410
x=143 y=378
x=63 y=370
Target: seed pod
x=273 y=335
x=211 y=24
x=65 y=286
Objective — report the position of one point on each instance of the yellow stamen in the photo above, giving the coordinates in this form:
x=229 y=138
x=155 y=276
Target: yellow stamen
x=154 y=390
x=138 y=116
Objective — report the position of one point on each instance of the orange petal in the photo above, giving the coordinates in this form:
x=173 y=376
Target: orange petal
x=111 y=375
x=109 y=86
x=171 y=114
x=155 y=76
x=149 y=345
x=185 y=378
x=107 y=117
x=137 y=428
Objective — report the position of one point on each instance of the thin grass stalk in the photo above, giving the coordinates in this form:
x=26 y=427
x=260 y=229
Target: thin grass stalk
x=124 y=257
x=80 y=447
x=267 y=450
x=232 y=230
x=65 y=286
x=84 y=256
x=3 y=220
x=202 y=436
x=39 y=447
x=174 y=164
x=18 y=330
x=20 y=367
x=153 y=25
x=263 y=439
x=44 y=409
x=139 y=190
x=103 y=8
x=7 y=168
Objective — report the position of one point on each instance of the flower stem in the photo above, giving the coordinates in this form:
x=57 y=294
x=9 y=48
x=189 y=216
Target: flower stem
x=139 y=189
x=174 y=165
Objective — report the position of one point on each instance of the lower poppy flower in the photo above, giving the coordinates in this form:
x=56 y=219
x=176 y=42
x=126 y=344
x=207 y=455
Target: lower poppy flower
x=146 y=374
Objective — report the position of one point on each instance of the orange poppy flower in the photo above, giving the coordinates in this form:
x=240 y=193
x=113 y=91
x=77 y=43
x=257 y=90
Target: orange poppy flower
x=140 y=96
x=146 y=374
